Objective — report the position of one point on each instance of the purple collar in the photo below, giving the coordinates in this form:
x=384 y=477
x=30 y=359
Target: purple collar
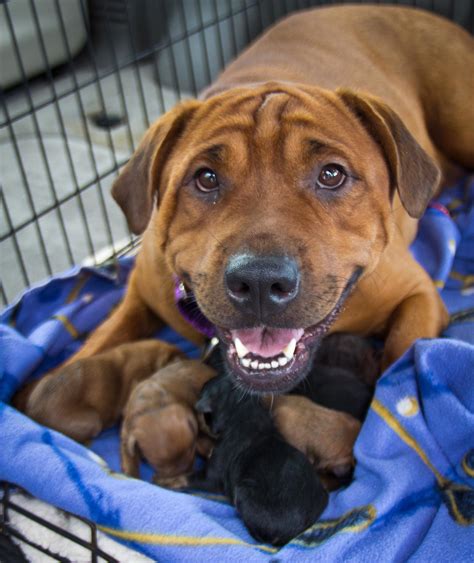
x=189 y=309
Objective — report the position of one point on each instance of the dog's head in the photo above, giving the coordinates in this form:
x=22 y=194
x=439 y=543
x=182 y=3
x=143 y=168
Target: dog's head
x=270 y=203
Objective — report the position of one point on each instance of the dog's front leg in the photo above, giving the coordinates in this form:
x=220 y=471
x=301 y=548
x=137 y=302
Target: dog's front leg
x=421 y=315
x=398 y=301
x=132 y=320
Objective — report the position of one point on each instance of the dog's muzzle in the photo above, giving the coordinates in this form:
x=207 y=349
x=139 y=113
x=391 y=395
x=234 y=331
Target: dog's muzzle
x=261 y=287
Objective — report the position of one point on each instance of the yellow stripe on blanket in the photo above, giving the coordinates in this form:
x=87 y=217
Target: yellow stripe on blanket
x=81 y=281
x=184 y=541
x=467 y=280
x=67 y=325
x=467 y=468
x=456 y=496
x=395 y=425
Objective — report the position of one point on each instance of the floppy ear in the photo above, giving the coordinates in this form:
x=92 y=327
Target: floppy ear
x=129 y=456
x=136 y=188
x=412 y=171
x=204 y=404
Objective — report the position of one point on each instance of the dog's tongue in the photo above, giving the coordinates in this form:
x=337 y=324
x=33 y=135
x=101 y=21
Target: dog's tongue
x=267 y=342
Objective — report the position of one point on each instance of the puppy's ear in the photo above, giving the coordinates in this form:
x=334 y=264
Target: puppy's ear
x=412 y=171
x=204 y=404
x=129 y=455
x=209 y=395
x=136 y=188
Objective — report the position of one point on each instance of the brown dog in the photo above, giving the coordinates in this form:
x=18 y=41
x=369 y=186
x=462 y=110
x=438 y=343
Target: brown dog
x=286 y=197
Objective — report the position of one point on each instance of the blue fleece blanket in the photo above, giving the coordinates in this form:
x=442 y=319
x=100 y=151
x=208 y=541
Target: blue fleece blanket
x=412 y=494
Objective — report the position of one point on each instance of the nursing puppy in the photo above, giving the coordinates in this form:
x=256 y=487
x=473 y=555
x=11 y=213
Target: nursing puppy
x=338 y=378
x=272 y=485
x=337 y=382
x=159 y=423
x=351 y=352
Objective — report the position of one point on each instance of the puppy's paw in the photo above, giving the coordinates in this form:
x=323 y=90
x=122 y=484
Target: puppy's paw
x=129 y=454
x=205 y=446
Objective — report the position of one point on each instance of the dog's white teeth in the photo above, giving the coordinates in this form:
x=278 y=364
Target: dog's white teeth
x=289 y=350
x=240 y=348
x=256 y=365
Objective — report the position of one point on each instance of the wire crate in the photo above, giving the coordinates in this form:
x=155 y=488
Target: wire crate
x=80 y=83
x=78 y=93
x=58 y=531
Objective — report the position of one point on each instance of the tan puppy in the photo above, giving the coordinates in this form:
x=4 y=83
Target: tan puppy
x=286 y=197
x=159 y=422
x=325 y=436
x=89 y=395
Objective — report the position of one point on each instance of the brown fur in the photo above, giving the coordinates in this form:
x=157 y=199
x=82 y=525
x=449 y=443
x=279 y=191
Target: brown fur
x=159 y=422
x=384 y=90
x=325 y=436
x=160 y=425
x=88 y=395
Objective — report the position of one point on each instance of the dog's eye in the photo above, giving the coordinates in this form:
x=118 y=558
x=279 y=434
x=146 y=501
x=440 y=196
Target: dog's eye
x=206 y=180
x=331 y=176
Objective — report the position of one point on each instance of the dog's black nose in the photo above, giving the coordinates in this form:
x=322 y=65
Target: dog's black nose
x=262 y=285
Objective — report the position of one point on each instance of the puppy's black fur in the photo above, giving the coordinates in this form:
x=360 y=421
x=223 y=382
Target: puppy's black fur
x=273 y=486
x=351 y=352
x=338 y=378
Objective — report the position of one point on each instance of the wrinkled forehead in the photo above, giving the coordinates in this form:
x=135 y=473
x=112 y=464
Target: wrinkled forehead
x=257 y=123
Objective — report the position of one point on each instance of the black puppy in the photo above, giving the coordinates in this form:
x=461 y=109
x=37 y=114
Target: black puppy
x=342 y=374
x=273 y=486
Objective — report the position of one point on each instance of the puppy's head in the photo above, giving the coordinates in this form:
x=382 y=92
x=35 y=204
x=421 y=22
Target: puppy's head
x=350 y=352
x=215 y=404
x=271 y=203
x=166 y=438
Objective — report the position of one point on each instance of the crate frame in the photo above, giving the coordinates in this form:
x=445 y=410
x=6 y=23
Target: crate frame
x=247 y=16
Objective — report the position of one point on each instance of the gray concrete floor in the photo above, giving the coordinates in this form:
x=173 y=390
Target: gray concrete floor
x=50 y=165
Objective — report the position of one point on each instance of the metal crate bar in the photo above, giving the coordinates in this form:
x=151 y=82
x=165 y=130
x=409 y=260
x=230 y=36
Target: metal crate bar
x=180 y=45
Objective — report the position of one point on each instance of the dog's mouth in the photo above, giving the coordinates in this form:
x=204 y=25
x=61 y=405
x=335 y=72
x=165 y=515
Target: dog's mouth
x=274 y=360
x=264 y=359
x=267 y=359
